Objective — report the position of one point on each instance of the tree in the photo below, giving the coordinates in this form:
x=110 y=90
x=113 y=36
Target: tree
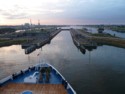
x=7 y=30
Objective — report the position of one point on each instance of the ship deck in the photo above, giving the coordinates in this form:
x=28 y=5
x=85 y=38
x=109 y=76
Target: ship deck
x=17 y=88
x=30 y=80
x=54 y=79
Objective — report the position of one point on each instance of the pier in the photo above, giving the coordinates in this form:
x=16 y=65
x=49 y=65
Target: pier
x=82 y=40
x=39 y=42
x=89 y=40
x=30 y=49
x=74 y=38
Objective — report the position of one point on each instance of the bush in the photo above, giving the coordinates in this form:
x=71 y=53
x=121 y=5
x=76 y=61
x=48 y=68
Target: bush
x=7 y=30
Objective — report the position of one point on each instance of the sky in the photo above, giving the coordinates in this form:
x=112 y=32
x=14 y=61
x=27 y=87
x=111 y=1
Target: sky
x=62 y=12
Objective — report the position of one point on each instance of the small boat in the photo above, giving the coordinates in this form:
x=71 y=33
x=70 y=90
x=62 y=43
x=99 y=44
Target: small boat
x=42 y=78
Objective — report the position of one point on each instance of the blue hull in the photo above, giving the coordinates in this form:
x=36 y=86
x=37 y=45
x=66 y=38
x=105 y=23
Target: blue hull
x=32 y=74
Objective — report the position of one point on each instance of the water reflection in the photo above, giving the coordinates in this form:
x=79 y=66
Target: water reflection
x=13 y=59
x=94 y=30
x=100 y=71
x=118 y=34
x=83 y=48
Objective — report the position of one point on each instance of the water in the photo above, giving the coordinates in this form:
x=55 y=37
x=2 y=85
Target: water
x=118 y=34
x=101 y=71
x=17 y=31
x=95 y=30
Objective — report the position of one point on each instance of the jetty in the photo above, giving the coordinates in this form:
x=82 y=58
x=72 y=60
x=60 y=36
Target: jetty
x=74 y=37
x=30 y=49
x=39 y=41
x=89 y=40
x=82 y=40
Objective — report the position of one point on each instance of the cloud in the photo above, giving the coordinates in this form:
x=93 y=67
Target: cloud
x=57 y=11
x=17 y=16
x=22 y=12
x=16 y=12
x=79 y=10
x=13 y=15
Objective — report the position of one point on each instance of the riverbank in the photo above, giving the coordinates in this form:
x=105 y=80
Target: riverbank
x=93 y=70
x=8 y=42
x=116 y=28
x=34 y=37
x=89 y=39
x=39 y=42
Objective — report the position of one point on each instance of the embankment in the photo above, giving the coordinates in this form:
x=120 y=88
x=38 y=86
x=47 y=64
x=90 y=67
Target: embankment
x=9 y=42
x=99 y=39
x=40 y=42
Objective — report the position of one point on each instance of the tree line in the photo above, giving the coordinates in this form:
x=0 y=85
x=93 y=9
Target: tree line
x=7 y=30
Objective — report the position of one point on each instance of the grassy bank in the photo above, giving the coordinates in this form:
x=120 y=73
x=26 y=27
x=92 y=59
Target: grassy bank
x=117 y=28
x=7 y=42
x=120 y=29
x=110 y=41
x=33 y=37
x=103 y=35
x=105 y=39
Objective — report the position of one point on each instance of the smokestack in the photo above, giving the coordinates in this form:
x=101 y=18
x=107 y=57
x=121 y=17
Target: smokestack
x=38 y=22
x=30 y=22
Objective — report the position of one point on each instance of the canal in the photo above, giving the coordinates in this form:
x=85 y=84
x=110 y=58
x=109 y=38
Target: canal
x=117 y=34
x=100 y=71
x=94 y=30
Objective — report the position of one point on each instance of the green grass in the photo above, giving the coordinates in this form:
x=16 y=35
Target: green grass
x=118 y=29
x=102 y=35
x=12 y=42
x=110 y=41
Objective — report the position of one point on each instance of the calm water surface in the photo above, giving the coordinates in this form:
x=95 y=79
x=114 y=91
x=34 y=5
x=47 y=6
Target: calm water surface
x=118 y=34
x=101 y=71
x=95 y=30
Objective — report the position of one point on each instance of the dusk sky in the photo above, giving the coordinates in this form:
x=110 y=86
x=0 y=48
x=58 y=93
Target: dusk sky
x=62 y=12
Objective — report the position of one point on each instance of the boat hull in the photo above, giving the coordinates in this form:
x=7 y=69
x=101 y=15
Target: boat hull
x=30 y=76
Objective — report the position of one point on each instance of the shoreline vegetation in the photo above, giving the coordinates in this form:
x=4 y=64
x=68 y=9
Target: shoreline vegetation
x=107 y=39
x=38 y=35
x=100 y=39
x=119 y=29
x=7 y=30
x=8 y=42
x=32 y=37
x=116 y=28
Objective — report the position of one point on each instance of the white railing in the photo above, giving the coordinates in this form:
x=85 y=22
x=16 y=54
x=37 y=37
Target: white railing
x=37 y=65
x=63 y=79
x=11 y=77
x=5 y=79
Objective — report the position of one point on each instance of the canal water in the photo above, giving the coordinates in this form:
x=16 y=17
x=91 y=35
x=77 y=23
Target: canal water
x=117 y=34
x=95 y=30
x=100 y=71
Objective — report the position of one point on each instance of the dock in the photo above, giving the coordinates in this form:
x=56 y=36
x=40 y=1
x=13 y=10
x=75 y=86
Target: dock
x=39 y=42
x=91 y=41
x=30 y=49
x=75 y=40
x=82 y=40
